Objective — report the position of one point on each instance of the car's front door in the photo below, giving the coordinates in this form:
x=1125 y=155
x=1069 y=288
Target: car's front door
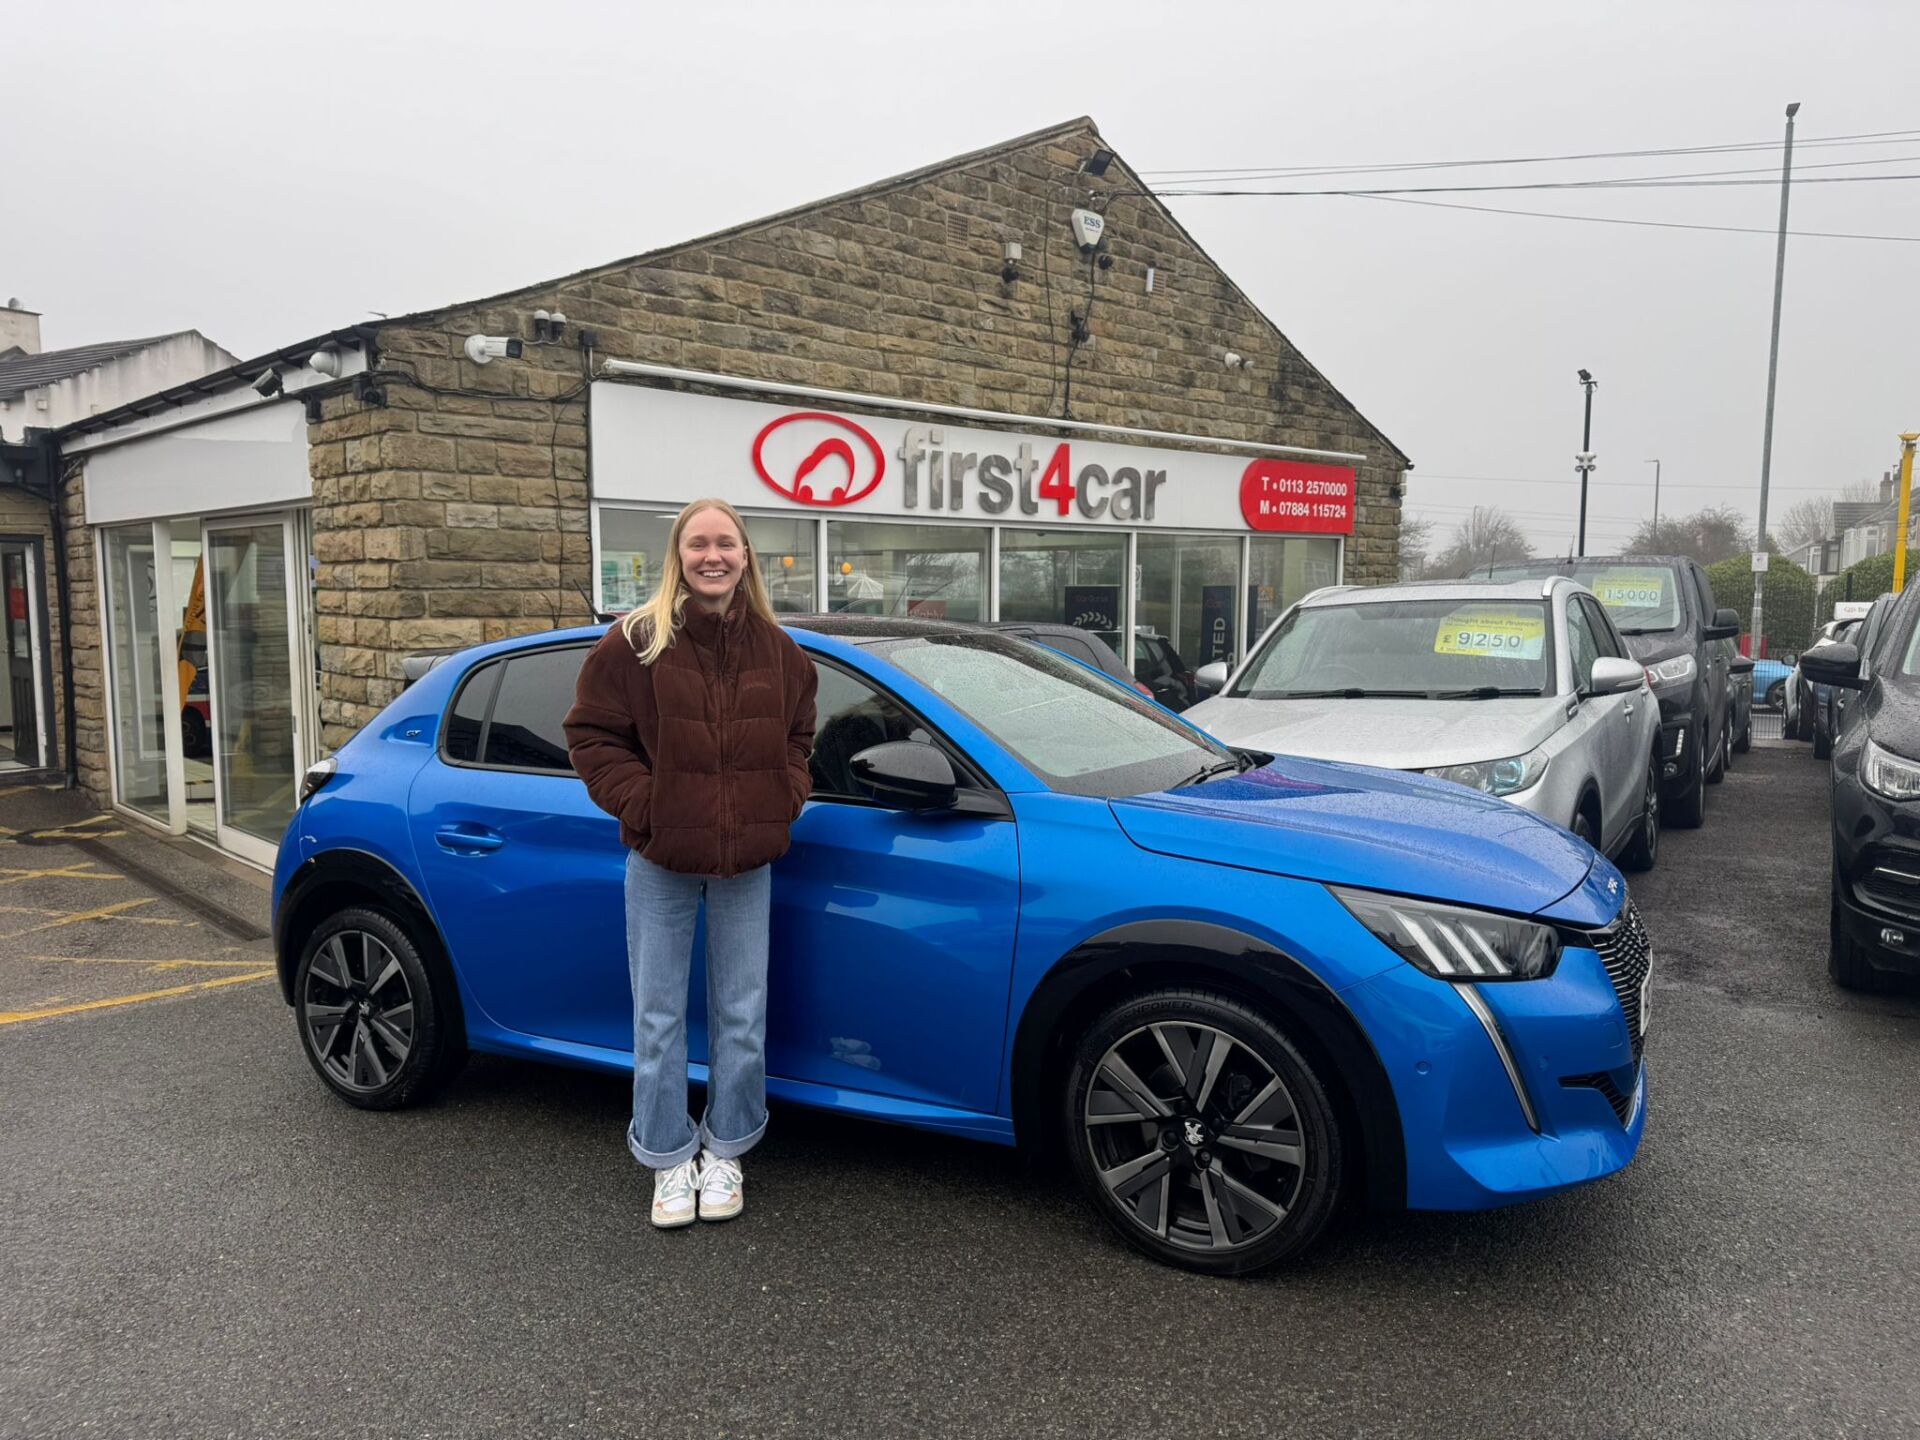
x=1591 y=719
x=523 y=871
x=1622 y=758
x=892 y=931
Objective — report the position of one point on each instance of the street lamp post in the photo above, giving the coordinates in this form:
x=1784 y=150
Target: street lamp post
x=1583 y=462
x=1773 y=370
x=1656 y=491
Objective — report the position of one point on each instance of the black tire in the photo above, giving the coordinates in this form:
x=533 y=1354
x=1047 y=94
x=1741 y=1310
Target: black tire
x=1643 y=852
x=1689 y=811
x=1822 y=740
x=1180 y=1155
x=1848 y=964
x=362 y=967
x=1718 y=770
x=1745 y=742
x=1583 y=826
x=1776 y=698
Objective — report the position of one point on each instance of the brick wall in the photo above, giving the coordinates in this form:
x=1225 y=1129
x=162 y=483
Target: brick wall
x=458 y=512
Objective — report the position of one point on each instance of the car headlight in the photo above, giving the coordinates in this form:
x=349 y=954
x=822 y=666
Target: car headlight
x=1676 y=671
x=1888 y=774
x=1497 y=777
x=1452 y=943
x=317 y=775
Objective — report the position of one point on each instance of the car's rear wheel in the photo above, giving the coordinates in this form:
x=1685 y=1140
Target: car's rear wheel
x=374 y=1021
x=1848 y=964
x=1744 y=742
x=1689 y=811
x=1718 y=771
x=1822 y=734
x=1645 y=848
x=1202 y=1133
x=1777 y=696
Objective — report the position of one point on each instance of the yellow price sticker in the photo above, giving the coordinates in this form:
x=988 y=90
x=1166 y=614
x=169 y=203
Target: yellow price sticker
x=1631 y=589
x=1514 y=635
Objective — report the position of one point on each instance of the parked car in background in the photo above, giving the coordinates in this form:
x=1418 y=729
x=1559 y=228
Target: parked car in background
x=1158 y=666
x=1663 y=605
x=1770 y=681
x=1234 y=989
x=1740 y=686
x=1521 y=689
x=1073 y=642
x=1874 y=927
x=1863 y=634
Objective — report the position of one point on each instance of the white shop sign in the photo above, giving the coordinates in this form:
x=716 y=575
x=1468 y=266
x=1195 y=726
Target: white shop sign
x=668 y=446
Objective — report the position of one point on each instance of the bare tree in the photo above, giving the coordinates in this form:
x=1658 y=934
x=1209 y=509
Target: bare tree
x=1812 y=519
x=1717 y=533
x=1416 y=541
x=1489 y=536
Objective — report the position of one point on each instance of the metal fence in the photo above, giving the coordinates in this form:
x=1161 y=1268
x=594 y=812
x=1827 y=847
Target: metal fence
x=1768 y=725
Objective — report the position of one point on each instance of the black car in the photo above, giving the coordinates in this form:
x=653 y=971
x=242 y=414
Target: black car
x=1073 y=642
x=1158 y=666
x=1663 y=605
x=1875 y=789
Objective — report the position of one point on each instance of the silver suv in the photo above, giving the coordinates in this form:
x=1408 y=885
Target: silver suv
x=1522 y=689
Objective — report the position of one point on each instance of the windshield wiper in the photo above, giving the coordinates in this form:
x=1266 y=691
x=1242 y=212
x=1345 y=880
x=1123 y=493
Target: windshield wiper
x=1477 y=692
x=1348 y=692
x=1237 y=764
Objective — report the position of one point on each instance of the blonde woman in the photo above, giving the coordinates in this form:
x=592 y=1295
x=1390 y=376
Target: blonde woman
x=692 y=724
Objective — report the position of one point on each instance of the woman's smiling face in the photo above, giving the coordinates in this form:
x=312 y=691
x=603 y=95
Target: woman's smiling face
x=713 y=558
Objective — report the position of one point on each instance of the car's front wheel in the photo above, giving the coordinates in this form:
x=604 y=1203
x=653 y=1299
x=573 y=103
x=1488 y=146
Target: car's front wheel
x=1201 y=1132
x=1822 y=734
x=1719 y=770
x=1644 y=849
x=1689 y=811
x=374 y=1022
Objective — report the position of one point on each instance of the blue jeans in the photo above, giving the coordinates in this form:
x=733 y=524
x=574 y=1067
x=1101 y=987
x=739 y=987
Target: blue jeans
x=662 y=907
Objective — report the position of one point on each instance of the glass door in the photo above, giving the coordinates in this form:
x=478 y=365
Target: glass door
x=254 y=586
x=23 y=720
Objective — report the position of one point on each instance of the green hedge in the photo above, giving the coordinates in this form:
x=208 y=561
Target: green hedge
x=1788 y=593
x=1872 y=578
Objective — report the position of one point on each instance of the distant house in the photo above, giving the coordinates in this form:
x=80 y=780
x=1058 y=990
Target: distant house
x=1868 y=528
x=51 y=388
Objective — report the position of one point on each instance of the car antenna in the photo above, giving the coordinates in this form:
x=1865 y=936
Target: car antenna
x=600 y=617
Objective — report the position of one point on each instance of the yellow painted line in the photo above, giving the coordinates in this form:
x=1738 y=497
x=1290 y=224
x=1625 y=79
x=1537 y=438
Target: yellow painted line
x=69 y=833
x=81 y=870
x=105 y=912
x=22 y=789
x=150 y=964
x=14 y=1017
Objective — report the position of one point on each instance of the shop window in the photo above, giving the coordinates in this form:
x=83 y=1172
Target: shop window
x=1284 y=569
x=134 y=648
x=1065 y=578
x=633 y=543
x=1189 y=599
x=935 y=572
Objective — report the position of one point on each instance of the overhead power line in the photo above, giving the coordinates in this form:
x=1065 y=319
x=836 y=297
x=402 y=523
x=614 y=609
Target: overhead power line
x=1625 y=182
x=1878 y=137
x=1650 y=224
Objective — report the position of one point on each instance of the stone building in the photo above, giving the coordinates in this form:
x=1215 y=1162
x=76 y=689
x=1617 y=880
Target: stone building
x=925 y=395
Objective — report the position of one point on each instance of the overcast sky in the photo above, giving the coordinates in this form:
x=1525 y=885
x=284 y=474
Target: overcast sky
x=265 y=172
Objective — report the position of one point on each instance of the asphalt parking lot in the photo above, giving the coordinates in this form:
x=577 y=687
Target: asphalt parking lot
x=196 y=1240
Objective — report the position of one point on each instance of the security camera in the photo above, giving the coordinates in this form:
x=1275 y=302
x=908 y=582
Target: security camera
x=1089 y=226
x=1233 y=359
x=485 y=349
x=268 y=385
x=325 y=361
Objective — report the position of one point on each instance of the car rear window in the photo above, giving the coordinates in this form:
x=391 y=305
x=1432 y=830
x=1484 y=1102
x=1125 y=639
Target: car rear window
x=508 y=714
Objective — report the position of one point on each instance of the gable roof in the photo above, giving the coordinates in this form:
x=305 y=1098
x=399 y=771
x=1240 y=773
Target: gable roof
x=22 y=372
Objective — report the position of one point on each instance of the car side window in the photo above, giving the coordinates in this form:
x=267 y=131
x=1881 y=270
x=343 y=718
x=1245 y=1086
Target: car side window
x=1702 y=594
x=1582 y=649
x=508 y=714
x=850 y=716
x=1078 y=649
x=1606 y=639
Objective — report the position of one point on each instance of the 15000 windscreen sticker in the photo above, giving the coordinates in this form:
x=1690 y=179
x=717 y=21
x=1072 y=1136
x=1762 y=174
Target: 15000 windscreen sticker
x=1631 y=589
x=1512 y=634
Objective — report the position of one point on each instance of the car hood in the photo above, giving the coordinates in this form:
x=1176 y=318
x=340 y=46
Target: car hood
x=1658 y=645
x=1398 y=734
x=1361 y=826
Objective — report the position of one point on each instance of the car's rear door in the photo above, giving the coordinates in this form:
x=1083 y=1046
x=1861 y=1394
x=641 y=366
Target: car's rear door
x=893 y=932
x=1594 y=723
x=523 y=871
x=1627 y=723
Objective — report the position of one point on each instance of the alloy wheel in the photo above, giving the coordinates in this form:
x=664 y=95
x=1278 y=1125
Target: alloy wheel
x=1650 y=808
x=358 y=1011
x=1195 y=1137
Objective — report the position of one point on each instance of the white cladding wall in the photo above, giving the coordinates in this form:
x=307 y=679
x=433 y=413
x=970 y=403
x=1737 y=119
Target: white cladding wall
x=251 y=460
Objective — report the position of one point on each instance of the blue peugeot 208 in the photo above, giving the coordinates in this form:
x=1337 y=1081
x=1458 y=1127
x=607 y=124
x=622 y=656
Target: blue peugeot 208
x=1024 y=904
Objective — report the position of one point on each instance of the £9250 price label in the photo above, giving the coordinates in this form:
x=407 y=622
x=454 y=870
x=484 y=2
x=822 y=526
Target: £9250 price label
x=1515 y=635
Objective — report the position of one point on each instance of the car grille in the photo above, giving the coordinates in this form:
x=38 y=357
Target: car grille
x=1892 y=882
x=1624 y=949
x=1603 y=1082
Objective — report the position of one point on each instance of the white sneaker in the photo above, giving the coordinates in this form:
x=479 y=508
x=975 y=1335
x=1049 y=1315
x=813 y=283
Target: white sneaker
x=674 y=1190
x=722 y=1187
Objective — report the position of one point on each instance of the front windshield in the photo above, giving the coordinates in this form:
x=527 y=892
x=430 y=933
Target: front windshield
x=1433 y=649
x=1080 y=733
x=1638 y=597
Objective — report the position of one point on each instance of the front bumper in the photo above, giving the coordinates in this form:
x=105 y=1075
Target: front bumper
x=1876 y=861
x=1471 y=1143
x=1680 y=754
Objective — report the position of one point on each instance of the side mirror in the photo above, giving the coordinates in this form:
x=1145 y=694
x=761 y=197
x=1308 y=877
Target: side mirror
x=1212 y=678
x=1832 y=665
x=907 y=773
x=1615 y=676
x=1789 y=660
x=1743 y=666
x=1725 y=626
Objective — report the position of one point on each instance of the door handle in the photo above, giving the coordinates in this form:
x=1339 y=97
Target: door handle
x=468 y=839
x=1627 y=710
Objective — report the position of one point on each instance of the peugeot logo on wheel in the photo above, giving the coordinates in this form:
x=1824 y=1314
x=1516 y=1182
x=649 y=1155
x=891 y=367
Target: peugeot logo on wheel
x=1195 y=1134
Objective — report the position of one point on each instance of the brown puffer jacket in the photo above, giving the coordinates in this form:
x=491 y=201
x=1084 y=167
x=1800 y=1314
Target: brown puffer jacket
x=701 y=756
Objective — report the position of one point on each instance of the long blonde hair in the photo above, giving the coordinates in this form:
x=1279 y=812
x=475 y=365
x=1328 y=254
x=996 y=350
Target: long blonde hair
x=665 y=612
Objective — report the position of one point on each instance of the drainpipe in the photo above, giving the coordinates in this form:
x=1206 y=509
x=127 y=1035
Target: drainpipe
x=63 y=592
